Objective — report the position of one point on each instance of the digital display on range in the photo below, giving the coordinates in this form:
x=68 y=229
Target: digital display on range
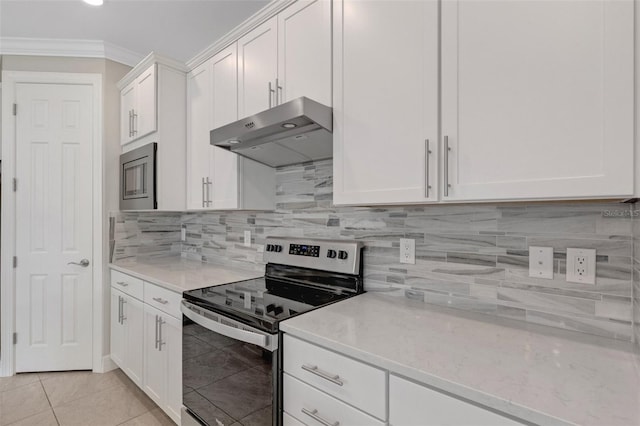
x=304 y=250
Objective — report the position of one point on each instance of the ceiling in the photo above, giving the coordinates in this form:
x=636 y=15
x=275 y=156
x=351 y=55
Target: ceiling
x=175 y=28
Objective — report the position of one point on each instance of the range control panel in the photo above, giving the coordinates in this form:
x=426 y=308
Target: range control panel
x=329 y=255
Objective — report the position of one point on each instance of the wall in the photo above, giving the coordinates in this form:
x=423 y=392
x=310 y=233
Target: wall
x=472 y=257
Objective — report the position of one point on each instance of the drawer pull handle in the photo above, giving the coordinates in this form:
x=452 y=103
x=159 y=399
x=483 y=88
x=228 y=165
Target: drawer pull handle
x=122 y=283
x=160 y=300
x=333 y=378
x=314 y=415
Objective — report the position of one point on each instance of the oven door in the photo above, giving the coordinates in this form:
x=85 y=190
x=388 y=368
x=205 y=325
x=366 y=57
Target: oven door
x=138 y=179
x=229 y=370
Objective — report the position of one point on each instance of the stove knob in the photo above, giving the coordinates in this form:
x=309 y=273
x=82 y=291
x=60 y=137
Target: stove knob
x=277 y=248
x=271 y=307
x=269 y=247
x=277 y=311
x=342 y=254
x=331 y=254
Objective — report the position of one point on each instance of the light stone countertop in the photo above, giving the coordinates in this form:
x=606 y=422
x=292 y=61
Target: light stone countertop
x=535 y=373
x=178 y=274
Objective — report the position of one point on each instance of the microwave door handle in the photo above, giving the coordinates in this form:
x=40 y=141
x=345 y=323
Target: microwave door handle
x=225 y=330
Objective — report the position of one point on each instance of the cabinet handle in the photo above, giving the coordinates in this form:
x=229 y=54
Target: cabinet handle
x=208 y=183
x=204 y=199
x=160 y=300
x=129 y=123
x=160 y=342
x=156 y=332
x=278 y=93
x=447 y=149
x=427 y=154
x=271 y=92
x=119 y=309
x=314 y=415
x=122 y=308
x=122 y=283
x=333 y=378
x=134 y=122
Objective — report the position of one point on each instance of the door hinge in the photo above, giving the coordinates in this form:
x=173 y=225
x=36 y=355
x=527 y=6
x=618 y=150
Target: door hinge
x=15 y=338
x=15 y=261
x=15 y=109
x=15 y=184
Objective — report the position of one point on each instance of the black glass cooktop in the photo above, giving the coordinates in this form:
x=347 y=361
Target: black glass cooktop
x=263 y=302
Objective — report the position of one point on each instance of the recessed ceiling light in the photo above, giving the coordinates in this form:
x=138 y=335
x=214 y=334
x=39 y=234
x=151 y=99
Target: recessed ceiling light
x=93 y=2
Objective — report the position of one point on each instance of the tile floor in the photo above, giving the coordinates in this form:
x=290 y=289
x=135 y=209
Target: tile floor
x=76 y=398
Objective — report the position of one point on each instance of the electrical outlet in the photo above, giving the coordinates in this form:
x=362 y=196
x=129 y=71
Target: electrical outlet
x=247 y=238
x=407 y=250
x=541 y=262
x=581 y=266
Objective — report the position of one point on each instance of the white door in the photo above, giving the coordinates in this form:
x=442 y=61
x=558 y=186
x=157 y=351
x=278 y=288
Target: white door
x=198 y=127
x=171 y=333
x=155 y=373
x=537 y=98
x=118 y=332
x=224 y=165
x=145 y=118
x=133 y=320
x=258 y=68
x=386 y=101
x=304 y=51
x=54 y=129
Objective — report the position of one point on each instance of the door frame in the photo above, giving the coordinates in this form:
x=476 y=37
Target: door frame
x=8 y=215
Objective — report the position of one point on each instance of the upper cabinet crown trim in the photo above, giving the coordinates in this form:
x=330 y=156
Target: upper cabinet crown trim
x=270 y=10
x=144 y=64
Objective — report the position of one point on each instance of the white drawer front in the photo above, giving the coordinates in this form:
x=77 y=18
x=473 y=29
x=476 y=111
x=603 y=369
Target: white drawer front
x=287 y=420
x=127 y=284
x=314 y=407
x=163 y=299
x=358 y=384
x=413 y=405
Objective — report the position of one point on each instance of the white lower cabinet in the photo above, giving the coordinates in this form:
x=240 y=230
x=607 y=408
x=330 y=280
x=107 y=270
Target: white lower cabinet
x=162 y=360
x=411 y=404
x=146 y=339
x=322 y=387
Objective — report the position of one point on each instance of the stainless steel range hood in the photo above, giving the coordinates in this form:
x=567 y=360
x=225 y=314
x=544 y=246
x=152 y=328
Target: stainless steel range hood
x=291 y=133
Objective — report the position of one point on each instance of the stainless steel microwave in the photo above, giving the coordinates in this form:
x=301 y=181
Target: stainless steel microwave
x=138 y=178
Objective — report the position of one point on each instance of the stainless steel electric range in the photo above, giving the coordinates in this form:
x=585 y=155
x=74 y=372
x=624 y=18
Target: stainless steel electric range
x=231 y=363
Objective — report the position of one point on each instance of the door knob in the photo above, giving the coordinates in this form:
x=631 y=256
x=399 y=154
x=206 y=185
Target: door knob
x=84 y=263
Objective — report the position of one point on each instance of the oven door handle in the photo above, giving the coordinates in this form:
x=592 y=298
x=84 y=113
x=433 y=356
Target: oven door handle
x=225 y=330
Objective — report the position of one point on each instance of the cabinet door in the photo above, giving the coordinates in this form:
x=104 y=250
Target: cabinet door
x=134 y=325
x=171 y=335
x=127 y=106
x=155 y=373
x=413 y=405
x=146 y=111
x=304 y=51
x=199 y=124
x=258 y=68
x=224 y=164
x=386 y=101
x=540 y=105
x=117 y=329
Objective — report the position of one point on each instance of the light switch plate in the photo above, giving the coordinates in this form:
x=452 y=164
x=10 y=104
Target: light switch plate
x=541 y=262
x=407 y=250
x=581 y=266
x=247 y=238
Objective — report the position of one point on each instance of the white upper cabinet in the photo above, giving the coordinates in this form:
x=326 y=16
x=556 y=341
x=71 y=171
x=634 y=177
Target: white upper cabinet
x=218 y=179
x=304 y=51
x=386 y=101
x=286 y=57
x=537 y=99
x=138 y=113
x=258 y=68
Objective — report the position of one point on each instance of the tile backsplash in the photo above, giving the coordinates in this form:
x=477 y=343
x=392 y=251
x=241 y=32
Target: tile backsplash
x=472 y=256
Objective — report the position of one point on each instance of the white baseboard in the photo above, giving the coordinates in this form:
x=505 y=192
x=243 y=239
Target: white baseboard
x=107 y=364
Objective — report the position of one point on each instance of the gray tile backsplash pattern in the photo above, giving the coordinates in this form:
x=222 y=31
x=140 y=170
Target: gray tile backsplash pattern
x=472 y=256
x=636 y=275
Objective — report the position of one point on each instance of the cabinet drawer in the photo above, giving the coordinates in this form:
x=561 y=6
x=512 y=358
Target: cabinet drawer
x=356 y=383
x=316 y=408
x=288 y=420
x=127 y=284
x=163 y=299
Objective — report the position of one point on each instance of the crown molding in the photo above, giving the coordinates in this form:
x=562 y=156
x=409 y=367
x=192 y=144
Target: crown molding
x=67 y=48
x=268 y=11
x=146 y=62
